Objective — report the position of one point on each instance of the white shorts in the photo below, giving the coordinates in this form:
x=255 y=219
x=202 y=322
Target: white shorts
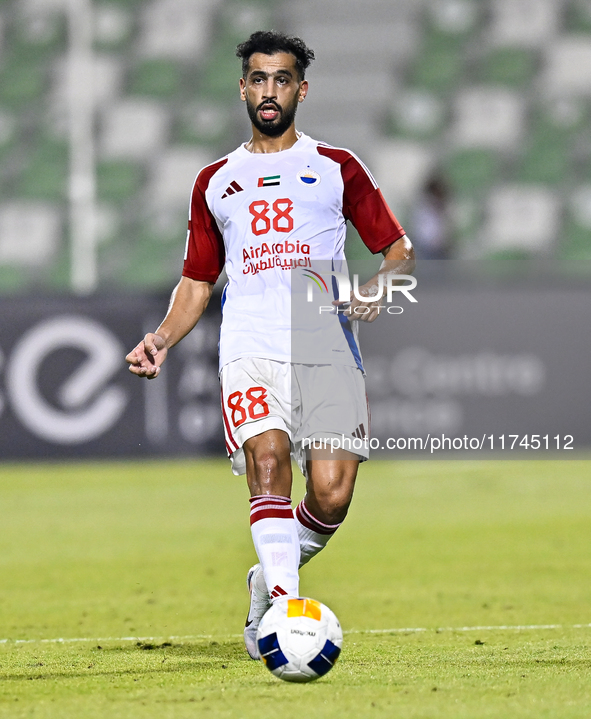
x=311 y=402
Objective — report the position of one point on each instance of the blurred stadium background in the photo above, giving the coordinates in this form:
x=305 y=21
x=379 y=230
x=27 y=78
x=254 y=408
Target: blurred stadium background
x=109 y=108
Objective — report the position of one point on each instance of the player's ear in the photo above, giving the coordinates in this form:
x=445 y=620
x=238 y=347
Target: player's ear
x=242 y=89
x=303 y=90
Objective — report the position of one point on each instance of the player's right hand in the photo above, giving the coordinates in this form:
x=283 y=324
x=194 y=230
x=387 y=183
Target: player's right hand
x=146 y=359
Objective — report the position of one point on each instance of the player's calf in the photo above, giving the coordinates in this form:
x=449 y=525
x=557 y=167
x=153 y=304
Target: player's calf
x=312 y=533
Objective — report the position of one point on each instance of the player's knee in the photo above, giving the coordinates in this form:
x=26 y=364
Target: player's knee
x=269 y=472
x=267 y=463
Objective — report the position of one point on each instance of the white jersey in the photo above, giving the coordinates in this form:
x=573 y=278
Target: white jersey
x=273 y=220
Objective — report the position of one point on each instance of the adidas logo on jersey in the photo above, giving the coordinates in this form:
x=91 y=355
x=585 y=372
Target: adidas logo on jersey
x=232 y=189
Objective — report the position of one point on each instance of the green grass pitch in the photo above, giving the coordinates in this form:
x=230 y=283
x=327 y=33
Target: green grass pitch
x=446 y=560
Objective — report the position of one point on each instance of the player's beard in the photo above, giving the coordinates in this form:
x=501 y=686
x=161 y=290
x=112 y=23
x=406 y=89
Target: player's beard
x=276 y=127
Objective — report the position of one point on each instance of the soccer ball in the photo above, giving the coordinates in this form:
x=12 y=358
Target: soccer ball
x=299 y=639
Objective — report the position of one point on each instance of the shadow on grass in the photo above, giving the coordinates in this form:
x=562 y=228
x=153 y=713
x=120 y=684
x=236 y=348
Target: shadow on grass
x=174 y=658
x=213 y=649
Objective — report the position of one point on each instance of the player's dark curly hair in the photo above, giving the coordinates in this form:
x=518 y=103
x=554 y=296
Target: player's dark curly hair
x=269 y=42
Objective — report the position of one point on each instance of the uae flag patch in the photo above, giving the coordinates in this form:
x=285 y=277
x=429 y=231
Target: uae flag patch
x=269 y=181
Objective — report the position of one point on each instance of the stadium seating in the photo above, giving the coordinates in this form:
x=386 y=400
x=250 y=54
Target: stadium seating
x=524 y=23
x=492 y=94
x=29 y=233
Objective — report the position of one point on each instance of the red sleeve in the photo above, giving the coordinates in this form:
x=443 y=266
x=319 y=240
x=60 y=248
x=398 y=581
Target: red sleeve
x=363 y=203
x=205 y=254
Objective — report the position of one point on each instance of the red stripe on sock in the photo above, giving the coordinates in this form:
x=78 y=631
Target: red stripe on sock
x=271 y=513
x=310 y=522
x=268 y=506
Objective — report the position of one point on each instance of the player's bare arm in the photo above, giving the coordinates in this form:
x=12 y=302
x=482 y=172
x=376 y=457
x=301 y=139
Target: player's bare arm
x=187 y=304
x=399 y=259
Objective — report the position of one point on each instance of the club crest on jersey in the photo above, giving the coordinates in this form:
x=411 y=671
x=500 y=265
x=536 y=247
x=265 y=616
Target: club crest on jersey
x=309 y=177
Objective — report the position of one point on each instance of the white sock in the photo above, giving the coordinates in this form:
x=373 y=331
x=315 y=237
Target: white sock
x=313 y=534
x=276 y=542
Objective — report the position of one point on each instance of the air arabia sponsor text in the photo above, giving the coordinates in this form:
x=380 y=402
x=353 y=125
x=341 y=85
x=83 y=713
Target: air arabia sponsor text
x=266 y=256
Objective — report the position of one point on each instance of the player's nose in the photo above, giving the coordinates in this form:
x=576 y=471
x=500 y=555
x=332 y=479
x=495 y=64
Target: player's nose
x=270 y=90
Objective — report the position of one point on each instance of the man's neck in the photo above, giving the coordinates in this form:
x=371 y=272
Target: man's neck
x=264 y=144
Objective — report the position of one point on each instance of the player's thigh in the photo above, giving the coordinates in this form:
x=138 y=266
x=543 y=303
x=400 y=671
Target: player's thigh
x=256 y=399
x=334 y=413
